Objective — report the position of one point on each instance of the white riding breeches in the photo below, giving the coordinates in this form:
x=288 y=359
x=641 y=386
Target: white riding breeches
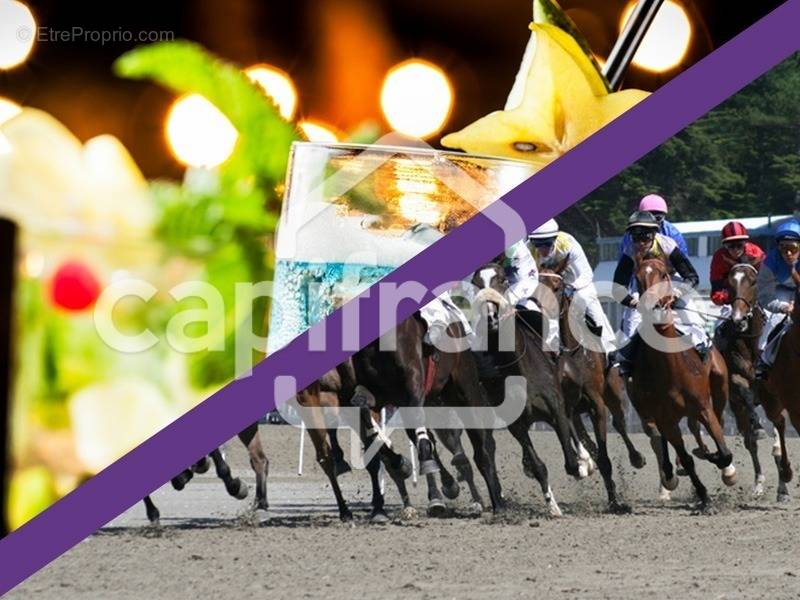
x=686 y=322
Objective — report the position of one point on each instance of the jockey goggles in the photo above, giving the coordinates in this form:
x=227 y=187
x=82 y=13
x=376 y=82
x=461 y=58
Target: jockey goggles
x=789 y=246
x=643 y=235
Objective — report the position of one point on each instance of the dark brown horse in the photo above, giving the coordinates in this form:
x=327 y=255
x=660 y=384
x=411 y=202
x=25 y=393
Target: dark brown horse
x=672 y=382
x=589 y=388
x=234 y=486
x=737 y=339
x=544 y=399
x=411 y=378
x=779 y=393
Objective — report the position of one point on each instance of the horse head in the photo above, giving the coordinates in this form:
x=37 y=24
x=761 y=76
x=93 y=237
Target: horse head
x=654 y=283
x=744 y=293
x=490 y=301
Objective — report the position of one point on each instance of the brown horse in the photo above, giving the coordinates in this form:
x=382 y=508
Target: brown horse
x=779 y=393
x=411 y=377
x=544 y=399
x=671 y=382
x=737 y=339
x=590 y=389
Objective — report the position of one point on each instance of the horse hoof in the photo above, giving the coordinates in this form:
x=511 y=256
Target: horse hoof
x=619 y=508
x=670 y=484
x=436 y=508
x=475 y=508
x=729 y=475
x=664 y=494
x=451 y=491
x=201 y=466
x=238 y=489
x=179 y=482
x=459 y=460
x=554 y=510
x=409 y=513
x=583 y=470
x=637 y=461
x=345 y=516
x=378 y=517
x=700 y=453
x=706 y=508
x=758 y=491
x=784 y=498
x=428 y=467
x=681 y=472
x=591 y=466
x=261 y=505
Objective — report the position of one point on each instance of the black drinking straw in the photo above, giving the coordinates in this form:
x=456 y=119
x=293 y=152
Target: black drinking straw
x=628 y=42
x=8 y=238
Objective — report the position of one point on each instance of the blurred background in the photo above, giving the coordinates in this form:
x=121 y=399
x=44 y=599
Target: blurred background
x=337 y=54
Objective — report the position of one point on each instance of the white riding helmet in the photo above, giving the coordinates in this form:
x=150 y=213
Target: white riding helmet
x=545 y=231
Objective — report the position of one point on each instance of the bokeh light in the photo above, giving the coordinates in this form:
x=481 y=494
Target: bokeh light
x=318 y=132
x=667 y=40
x=8 y=109
x=277 y=85
x=416 y=98
x=198 y=133
x=17 y=33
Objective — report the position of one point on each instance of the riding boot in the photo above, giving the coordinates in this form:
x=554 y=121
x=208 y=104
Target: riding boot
x=625 y=356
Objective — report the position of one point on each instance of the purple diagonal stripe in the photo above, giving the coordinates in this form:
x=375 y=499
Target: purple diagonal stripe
x=566 y=181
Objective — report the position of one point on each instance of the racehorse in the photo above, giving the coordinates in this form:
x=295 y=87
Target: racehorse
x=588 y=388
x=779 y=393
x=411 y=376
x=544 y=399
x=234 y=486
x=737 y=339
x=670 y=383
x=338 y=388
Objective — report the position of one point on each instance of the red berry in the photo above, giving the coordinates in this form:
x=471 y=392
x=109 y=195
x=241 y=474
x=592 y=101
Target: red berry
x=74 y=286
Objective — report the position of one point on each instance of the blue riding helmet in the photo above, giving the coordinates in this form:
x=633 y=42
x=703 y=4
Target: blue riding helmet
x=788 y=231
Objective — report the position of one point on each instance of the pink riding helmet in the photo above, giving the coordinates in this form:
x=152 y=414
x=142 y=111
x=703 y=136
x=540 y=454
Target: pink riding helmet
x=653 y=203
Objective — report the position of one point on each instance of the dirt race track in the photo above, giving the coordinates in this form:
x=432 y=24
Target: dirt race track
x=210 y=546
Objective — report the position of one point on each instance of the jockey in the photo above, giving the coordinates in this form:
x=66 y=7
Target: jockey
x=657 y=206
x=736 y=246
x=644 y=236
x=555 y=248
x=777 y=281
x=523 y=279
x=440 y=312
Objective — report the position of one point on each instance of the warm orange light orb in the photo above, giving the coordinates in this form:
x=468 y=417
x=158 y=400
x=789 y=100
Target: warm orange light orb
x=318 y=132
x=199 y=135
x=277 y=85
x=416 y=98
x=667 y=40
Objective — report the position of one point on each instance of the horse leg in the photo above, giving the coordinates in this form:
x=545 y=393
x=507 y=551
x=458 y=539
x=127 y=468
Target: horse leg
x=378 y=514
x=673 y=434
x=668 y=480
x=201 y=466
x=181 y=479
x=235 y=486
x=586 y=448
x=153 y=515
x=612 y=396
x=319 y=437
x=533 y=466
x=342 y=466
x=702 y=449
x=741 y=413
x=723 y=458
x=483 y=446
x=450 y=487
x=451 y=439
x=599 y=416
x=436 y=505
x=258 y=462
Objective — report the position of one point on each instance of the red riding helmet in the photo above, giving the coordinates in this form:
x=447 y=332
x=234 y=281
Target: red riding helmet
x=734 y=231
